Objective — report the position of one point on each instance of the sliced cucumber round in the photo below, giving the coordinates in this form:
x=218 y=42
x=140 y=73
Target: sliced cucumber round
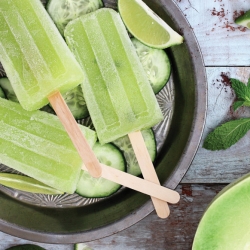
x=156 y=64
x=76 y=102
x=7 y=89
x=125 y=146
x=2 y=95
x=63 y=11
x=90 y=187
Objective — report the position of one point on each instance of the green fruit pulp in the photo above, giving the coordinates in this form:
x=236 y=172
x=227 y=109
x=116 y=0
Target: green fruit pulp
x=226 y=222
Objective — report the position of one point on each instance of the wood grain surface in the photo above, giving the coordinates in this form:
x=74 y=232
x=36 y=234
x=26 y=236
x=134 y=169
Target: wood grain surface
x=174 y=233
x=225 y=48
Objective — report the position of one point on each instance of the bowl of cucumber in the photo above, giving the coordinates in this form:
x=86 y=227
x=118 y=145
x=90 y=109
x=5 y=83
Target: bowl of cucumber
x=99 y=209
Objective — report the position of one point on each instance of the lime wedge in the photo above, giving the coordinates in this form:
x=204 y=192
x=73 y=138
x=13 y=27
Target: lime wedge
x=244 y=20
x=146 y=26
x=25 y=183
x=81 y=246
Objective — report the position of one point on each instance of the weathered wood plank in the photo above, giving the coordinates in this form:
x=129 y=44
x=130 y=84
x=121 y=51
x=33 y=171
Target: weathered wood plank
x=175 y=233
x=222 y=42
x=226 y=165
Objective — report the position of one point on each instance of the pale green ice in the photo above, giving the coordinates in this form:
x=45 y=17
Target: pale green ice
x=33 y=53
x=36 y=144
x=116 y=89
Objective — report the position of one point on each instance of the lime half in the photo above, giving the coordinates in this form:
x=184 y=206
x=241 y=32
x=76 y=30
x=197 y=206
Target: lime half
x=244 y=20
x=146 y=26
x=25 y=183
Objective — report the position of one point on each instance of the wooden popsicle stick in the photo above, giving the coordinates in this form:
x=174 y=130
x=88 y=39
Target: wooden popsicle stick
x=75 y=134
x=148 y=170
x=138 y=184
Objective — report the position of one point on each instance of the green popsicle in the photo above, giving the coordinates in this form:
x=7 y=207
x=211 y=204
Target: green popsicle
x=36 y=144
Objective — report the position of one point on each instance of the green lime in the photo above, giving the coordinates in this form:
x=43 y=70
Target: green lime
x=81 y=246
x=244 y=20
x=25 y=183
x=146 y=26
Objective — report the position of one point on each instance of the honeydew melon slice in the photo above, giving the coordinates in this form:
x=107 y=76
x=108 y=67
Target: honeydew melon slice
x=225 y=225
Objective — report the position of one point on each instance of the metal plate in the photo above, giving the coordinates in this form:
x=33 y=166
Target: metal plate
x=70 y=218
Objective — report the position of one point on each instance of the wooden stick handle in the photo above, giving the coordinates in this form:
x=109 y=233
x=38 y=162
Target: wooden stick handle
x=139 y=184
x=75 y=134
x=148 y=170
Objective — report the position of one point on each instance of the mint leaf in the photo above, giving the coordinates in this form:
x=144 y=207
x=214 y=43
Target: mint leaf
x=227 y=134
x=242 y=92
x=237 y=104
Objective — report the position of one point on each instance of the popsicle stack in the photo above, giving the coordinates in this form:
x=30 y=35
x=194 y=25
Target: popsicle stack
x=119 y=97
x=36 y=144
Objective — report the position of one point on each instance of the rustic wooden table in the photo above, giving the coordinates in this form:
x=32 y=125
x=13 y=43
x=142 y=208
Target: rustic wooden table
x=226 y=51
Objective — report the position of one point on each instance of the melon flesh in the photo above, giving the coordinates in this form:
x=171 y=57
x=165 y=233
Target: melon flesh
x=225 y=224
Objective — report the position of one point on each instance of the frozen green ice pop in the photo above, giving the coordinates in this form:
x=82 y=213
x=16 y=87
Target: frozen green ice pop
x=119 y=97
x=33 y=53
x=117 y=92
x=36 y=144
x=40 y=65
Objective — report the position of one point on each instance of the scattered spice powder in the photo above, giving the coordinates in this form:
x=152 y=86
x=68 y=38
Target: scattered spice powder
x=220 y=13
x=225 y=79
x=226 y=19
x=224 y=82
x=237 y=14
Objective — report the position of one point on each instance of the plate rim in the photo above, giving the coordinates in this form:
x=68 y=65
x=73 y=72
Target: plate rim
x=175 y=177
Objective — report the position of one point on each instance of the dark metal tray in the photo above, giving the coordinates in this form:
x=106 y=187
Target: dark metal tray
x=71 y=218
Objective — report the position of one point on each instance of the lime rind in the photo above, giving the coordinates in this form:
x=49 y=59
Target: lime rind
x=146 y=25
x=27 y=184
x=244 y=20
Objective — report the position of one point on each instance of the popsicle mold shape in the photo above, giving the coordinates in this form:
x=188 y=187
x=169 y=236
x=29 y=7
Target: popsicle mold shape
x=119 y=97
x=36 y=144
x=33 y=53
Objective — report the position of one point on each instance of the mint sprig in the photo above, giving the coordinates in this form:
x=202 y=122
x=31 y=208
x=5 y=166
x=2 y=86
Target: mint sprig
x=242 y=92
x=227 y=134
x=231 y=132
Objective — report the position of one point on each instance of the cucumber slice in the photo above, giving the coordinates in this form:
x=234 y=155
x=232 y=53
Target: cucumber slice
x=2 y=95
x=156 y=64
x=63 y=11
x=91 y=187
x=125 y=146
x=7 y=89
x=76 y=102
